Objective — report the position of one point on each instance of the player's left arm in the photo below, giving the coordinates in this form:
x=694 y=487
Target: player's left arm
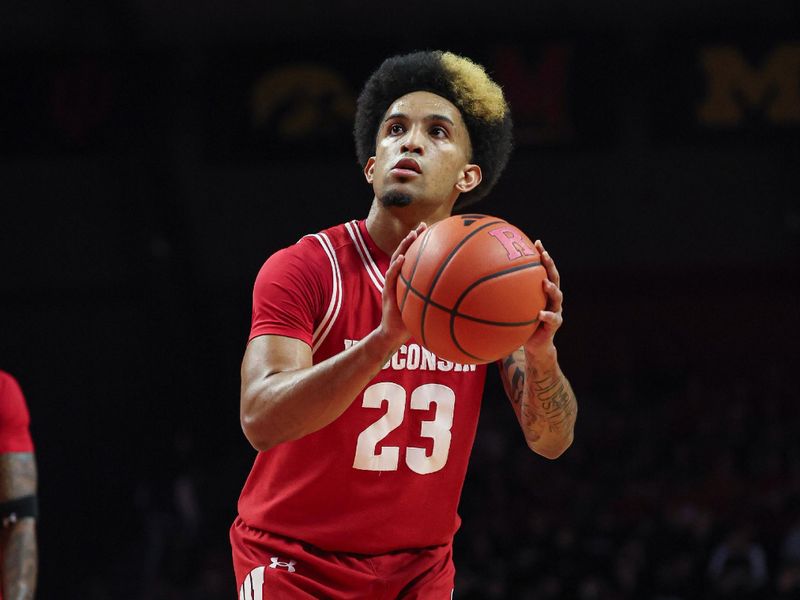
x=18 y=550
x=540 y=394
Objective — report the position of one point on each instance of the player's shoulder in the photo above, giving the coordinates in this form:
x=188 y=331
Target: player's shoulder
x=333 y=237
x=312 y=256
x=318 y=247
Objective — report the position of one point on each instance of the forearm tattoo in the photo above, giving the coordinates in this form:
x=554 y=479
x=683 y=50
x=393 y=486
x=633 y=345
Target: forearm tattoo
x=513 y=378
x=555 y=401
x=545 y=402
x=18 y=553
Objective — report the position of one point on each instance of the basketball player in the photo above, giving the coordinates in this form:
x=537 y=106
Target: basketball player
x=18 y=556
x=364 y=436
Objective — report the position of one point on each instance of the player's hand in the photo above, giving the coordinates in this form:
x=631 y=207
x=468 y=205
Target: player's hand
x=540 y=345
x=392 y=324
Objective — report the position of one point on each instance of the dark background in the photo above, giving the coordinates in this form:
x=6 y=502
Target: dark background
x=153 y=154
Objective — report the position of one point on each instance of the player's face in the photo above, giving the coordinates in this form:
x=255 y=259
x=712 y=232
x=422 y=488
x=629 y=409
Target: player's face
x=422 y=153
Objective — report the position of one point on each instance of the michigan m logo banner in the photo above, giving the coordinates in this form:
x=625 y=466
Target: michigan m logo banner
x=737 y=88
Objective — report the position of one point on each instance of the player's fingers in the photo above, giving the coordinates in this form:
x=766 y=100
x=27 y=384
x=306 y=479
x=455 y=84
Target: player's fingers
x=403 y=246
x=555 y=297
x=548 y=263
x=393 y=272
x=552 y=319
x=552 y=271
x=408 y=240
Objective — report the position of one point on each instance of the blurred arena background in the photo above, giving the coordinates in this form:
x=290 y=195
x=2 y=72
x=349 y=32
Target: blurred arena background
x=153 y=154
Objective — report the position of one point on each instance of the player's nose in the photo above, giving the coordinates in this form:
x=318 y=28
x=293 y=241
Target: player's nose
x=413 y=141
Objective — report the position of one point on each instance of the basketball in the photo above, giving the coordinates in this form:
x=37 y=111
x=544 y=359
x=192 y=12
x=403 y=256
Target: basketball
x=470 y=289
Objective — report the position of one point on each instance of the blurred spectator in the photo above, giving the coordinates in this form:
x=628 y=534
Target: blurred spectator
x=738 y=566
x=787 y=583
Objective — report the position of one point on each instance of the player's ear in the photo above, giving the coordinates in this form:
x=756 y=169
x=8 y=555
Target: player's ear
x=471 y=176
x=369 y=169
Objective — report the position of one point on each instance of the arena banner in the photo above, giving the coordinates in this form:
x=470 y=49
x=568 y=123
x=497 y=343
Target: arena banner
x=85 y=102
x=284 y=102
x=562 y=91
x=281 y=103
x=726 y=90
x=249 y=104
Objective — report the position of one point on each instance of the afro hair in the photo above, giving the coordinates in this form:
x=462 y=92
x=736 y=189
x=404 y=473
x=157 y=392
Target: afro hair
x=480 y=100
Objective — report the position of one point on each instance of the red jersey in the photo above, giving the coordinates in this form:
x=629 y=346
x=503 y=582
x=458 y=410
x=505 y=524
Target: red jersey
x=388 y=473
x=15 y=434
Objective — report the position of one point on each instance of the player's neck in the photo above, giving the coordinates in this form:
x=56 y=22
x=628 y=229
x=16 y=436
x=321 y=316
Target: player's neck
x=388 y=226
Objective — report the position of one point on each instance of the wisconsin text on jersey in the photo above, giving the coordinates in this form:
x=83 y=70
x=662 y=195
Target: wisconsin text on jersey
x=414 y=357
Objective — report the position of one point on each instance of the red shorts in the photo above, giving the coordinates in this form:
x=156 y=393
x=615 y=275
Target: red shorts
x=272 y=567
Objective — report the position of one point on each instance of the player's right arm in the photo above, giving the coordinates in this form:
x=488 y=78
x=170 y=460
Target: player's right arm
x=285 y=396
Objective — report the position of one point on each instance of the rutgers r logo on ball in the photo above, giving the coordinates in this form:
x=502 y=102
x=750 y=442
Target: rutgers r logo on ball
x=512 y=241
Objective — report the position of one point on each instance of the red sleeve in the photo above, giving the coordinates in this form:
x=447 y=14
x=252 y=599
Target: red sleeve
x=15 y=433
x=289 y=296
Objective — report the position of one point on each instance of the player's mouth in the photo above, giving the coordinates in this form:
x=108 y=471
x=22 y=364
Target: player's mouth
x=406 y=167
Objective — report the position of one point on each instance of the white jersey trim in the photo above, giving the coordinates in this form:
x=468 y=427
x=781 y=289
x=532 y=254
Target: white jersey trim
x=325 y=325
x=363 y=251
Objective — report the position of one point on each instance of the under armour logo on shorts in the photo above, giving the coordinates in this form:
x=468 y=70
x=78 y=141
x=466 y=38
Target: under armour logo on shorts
x=277 y=564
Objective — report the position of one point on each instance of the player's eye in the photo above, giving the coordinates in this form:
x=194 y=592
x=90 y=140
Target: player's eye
x=438 y=131
x=396 y=129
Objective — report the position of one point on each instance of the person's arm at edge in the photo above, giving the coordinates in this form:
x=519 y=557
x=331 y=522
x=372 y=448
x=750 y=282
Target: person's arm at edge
x=18 y=548
x=284 y=396
x=540 y=394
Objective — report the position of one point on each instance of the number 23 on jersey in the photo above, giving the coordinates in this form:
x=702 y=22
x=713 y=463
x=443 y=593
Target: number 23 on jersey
x=388 y=458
